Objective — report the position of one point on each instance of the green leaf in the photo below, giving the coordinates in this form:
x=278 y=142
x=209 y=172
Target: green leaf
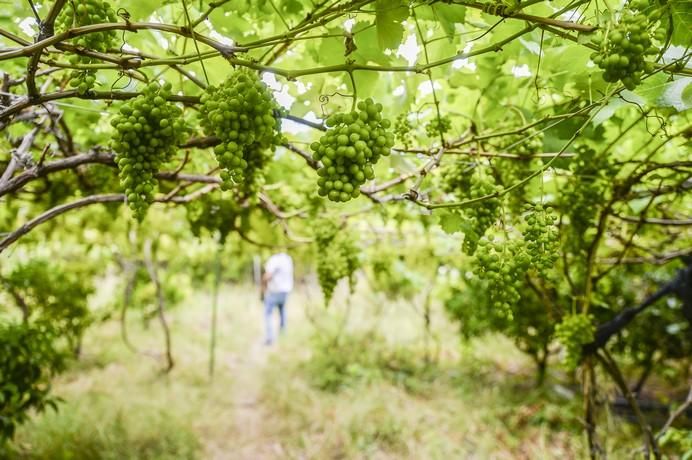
x=292 y=6
x=330 y=51
x=677 y=94
x=365 y=37
x=637 y=205
x=681 y=14
x=608 y=111
x=389 y=17
x=451 y=222
x=448 y=16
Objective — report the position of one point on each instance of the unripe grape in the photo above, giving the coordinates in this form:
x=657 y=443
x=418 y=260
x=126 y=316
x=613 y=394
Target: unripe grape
x=242 y=112
x=353 y=143
x=140 y=158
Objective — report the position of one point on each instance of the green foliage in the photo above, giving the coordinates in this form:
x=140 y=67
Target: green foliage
x=528 y=321
x=391 y=276
x=54 y=293
x=388 y=17
x=677 y=441
x=76 y=436
x=350 y=148
x=361 y=358
x=505 y=98
x=28 y=359
x=143 y=294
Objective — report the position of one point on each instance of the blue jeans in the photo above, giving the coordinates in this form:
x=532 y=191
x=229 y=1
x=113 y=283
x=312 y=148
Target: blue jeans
x=274 y=300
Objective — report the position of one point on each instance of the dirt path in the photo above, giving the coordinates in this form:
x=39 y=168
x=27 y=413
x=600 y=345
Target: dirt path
x=249 y=440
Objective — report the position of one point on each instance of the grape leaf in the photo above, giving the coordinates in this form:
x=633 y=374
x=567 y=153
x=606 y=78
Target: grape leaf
x=677 y=94
x=365 y=40
x=388 y=18
x=681 y=15
x=451 y=222
x=448 y=15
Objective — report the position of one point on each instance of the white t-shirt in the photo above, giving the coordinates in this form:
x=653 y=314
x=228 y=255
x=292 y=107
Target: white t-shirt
x=280 y=269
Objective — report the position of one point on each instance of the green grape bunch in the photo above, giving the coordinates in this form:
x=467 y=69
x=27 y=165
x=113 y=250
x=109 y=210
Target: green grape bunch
x=148 y=130
x=216 y=215
x=623 y=51
x=481 y=215
x=352 y=145
x=587 y=188
x=438 y=126
x=402 y=129
x=78 y=13
x=501 y=265
x=542 y=237
x=242 y=113
x=573 y=333
x=525 y=145
x=456 y=177
x=337 y=257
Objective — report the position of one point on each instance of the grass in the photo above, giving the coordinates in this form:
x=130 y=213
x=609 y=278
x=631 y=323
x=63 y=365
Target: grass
x=472 y=401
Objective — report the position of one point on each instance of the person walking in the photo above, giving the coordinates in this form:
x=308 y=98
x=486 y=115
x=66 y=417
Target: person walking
x=277 y=283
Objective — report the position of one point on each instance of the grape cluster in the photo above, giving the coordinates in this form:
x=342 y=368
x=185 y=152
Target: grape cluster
x=438 y=126
x=624 y=49
x=216 y=215
x=542 y=237
x=241 y=112
x=390 y=275
x=148 y=130
x=527 y=144
x=337 y=257
x=456 y=177
x=501 y=265
x=84 y=13
x=350 y=148
x=587 y=188
x=573 y=333
x=483 y=214
x=402 y=129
